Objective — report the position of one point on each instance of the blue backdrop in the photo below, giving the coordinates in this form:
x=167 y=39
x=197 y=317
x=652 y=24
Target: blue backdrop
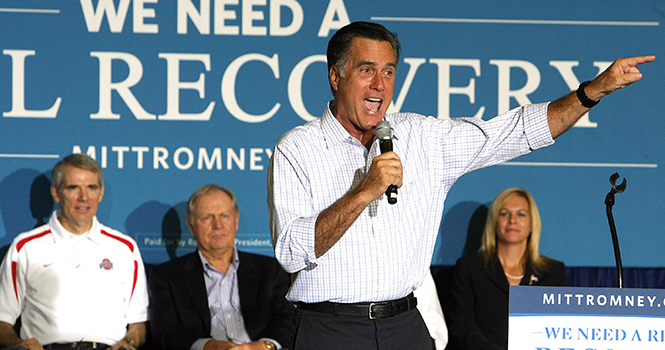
x=170 y=95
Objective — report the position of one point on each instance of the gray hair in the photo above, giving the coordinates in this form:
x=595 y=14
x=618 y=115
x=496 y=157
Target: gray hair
x=204 y=190
x=77 y=160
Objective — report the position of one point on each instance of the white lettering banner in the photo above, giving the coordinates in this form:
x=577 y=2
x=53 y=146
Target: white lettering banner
x=170 y=95
x=549 y=318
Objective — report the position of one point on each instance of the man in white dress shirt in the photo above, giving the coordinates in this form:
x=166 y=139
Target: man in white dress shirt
x=357 y=258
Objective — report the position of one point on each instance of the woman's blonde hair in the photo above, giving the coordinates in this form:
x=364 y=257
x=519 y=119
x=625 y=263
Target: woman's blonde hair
x=489 y=241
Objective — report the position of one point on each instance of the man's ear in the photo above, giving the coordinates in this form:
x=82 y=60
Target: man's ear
x=189 y=224
x=54 y=194
x=101 y=195
x=333 y=77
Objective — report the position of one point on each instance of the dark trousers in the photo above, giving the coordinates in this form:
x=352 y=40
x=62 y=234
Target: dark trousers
x=321 y=331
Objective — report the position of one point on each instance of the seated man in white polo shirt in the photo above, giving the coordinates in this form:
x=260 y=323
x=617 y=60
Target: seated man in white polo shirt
x=74 y=282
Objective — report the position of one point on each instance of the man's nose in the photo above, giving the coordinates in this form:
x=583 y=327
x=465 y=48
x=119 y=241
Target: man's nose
x=378 y=82
x=216 y=222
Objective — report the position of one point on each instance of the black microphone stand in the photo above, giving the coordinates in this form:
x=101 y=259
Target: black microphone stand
x=609 y=202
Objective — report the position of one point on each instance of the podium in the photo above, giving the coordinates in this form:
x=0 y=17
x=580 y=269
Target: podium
x=571 y=318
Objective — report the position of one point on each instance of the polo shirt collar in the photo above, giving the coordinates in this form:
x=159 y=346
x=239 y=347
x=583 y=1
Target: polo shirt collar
x=60 y=233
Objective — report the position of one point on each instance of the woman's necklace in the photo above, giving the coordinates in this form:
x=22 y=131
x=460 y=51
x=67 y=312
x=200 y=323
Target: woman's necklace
x=514 y=277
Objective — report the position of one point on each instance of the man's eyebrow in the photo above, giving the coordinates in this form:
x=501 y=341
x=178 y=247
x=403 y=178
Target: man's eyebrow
x=366 y=63
x=371 y=63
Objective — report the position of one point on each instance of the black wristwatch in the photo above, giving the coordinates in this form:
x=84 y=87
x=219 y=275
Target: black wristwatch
x=584 y=99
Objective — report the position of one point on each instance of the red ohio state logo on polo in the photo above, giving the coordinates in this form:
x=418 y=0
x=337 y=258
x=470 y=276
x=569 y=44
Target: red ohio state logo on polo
x=106 y=264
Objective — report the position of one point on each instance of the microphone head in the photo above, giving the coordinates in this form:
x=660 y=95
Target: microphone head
x=384 y=131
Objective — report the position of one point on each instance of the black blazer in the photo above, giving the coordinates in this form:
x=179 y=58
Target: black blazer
x=477 y=312
x=179 y=313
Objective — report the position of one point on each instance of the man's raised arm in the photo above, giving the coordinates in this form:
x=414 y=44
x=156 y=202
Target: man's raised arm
x=564 y=112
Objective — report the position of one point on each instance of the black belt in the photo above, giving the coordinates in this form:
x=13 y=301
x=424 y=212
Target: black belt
x=383 y=309
x=81 y=344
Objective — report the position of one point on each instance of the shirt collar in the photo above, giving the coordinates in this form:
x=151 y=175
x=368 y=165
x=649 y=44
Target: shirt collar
x=60 y=233
x=207 y=268
x=333 y=131
x=335 y=134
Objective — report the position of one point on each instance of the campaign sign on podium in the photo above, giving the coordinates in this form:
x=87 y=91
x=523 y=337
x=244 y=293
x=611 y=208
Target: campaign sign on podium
x=549 y=318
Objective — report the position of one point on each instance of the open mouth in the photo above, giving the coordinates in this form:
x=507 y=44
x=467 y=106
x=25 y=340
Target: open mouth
x=372 y=104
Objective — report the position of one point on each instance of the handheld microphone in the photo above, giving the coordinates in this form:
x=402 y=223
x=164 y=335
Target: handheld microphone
x=384 y=132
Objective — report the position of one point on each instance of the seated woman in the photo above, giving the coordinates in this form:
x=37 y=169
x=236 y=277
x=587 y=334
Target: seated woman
x=477 y=314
